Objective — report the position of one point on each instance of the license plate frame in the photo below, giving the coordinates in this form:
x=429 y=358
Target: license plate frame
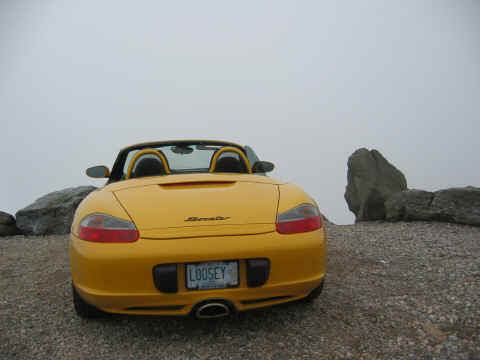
x=209 y=283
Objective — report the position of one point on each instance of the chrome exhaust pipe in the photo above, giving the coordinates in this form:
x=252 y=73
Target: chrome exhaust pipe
x=212 y=310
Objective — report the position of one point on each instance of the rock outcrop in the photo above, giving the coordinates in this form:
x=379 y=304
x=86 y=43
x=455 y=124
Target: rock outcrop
x=456 y=205
x=7 y=225
x=52 y=213
x=409 y=205
x=371 y=180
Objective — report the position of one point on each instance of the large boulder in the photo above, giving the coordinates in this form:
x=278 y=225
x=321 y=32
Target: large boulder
x=456 y=205
x=371 y=180
x=52 y=213
x=409 y=205
x=7 y=225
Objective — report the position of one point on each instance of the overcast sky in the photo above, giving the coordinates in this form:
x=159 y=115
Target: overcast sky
x=305 y=83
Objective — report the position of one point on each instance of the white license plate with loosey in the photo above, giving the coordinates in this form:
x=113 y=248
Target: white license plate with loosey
x=212 y=275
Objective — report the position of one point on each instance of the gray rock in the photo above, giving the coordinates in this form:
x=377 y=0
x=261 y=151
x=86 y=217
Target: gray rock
x=455 y=205
x=7 y=225
x=409 y=205
x=371 y=180
x=52 y=213
x=458 y=205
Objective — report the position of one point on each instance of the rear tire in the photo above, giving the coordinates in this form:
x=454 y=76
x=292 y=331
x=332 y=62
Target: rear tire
x=83 y=309
x=315 y=293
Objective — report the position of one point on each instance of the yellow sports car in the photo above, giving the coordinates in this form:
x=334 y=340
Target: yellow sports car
x=193 y=227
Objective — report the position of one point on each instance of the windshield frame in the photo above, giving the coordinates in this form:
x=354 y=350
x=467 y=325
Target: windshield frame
x=117 y=170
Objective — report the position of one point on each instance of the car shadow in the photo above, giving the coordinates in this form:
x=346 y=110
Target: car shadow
x=270 y=319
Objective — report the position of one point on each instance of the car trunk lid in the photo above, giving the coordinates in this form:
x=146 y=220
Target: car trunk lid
x=201 y=207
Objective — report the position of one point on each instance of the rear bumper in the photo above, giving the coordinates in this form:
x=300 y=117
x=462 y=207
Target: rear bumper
x=118 y=278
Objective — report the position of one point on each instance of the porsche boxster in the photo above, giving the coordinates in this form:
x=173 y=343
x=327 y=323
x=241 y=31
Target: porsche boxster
x=193 y=227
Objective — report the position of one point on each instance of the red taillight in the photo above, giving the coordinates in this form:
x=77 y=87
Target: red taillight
x=302 y=218
x=106 y=228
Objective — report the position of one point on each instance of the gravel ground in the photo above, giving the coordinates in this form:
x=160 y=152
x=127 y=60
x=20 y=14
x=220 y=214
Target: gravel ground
x=394 y=290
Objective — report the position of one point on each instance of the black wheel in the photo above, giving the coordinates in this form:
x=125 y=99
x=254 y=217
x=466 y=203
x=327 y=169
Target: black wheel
x=83 y=309
x=315 y=293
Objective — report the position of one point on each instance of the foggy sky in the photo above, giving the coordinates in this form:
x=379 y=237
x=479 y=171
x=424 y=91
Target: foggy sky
x=305 y=83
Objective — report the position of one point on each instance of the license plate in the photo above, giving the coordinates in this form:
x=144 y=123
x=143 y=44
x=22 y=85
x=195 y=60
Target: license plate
x=212 y=275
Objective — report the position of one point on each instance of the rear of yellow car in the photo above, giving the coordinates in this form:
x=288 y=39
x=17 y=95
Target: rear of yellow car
x=202 y=244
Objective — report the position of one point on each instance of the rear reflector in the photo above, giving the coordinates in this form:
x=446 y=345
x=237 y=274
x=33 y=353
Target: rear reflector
x=165 y=278
x=258 y=271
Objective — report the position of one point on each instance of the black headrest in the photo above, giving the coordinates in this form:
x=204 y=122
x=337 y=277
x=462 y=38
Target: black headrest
x=230 y=164
x=149 y=167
